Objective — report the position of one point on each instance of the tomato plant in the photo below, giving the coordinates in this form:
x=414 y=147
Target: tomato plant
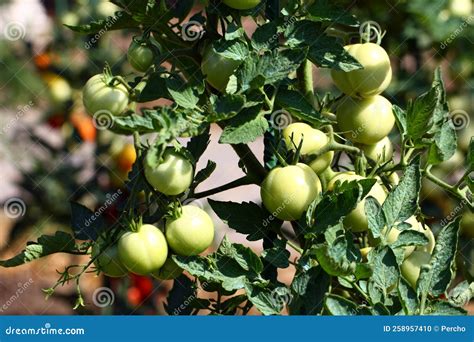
x=325 y=165
x=140 y=56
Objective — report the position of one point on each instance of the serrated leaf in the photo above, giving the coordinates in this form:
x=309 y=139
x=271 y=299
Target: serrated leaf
x=385 y=273
x=277 y=256
x=119 y=21
x=309 y=290
x=265 y=37
x=408 y=297
x=183 y=290
x=339 y=306
x=246 y=217
x=60 y=242
x=410 y=238
x=85 y=224
x=225 y=107
x=229 y=306
x=443 y=308
x=326 y=11
x=295 y=103
x=327 y=52
x=267 y=301
x=444 y=144
x=402 y=201
x=375 y=218
x=198 y=145
x=185 y=95
x=401 y=119
x=244 y=256
x=244 y=128
x=436 y=278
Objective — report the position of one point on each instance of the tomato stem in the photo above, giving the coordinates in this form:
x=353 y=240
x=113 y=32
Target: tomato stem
x=245 y=180
x=305 y=77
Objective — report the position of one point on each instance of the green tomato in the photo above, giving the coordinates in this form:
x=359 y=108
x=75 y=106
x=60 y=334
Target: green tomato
x=381 y=151
x=288 y=191
x=313 y=141
x=170 y=270
x=241 y=4
x=356 y=220
x=460 y=8
x=99 y=97
x=365 y=121
x=429 y=247
x=108 y=261
x=172 y=175
x=140 y=56
x=394 y=233
x=144 y=251
x=411 y=266
x=373 y=79
x=217 y=69
x=192 y=233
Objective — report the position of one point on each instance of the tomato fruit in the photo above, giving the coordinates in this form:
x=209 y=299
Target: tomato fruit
x=172 y=175
x=365 y=121
x=241 y=4
x=59 y=89
x=460 y=8
x=394 y=233
x=143 y=251
x=411 y=266
x=192 y=233
x=288 y=191
x=140 y=56
x=429 y=247
x=356 y=220
x=126 y=157
x=108 y=261
x=313 y=141
x=170 y=270
x=217 y=69
x=373 y=79
x=467 y=225
x=100 y=97
x=381 y=151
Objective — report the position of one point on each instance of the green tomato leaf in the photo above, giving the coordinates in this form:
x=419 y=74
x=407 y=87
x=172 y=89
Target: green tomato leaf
x=230 y=306
x=295 y=103
x=436 y=278
x=265 y=37
x=183 y=289
x=444 y=144
x=244 y=128
x=204 y=173
x=410 y=238
x=375 y=217
x=198 y=145
x=309 y=289
x=225 y=107
x=119 y=21
x=402 y=201
x=326 y=11
x=153 y=89
x=267 y=301
x=408 y=297
x=85 y=223
x=401 y=119
x=443 y=308
x=60 y=242
x=339 y=306
x=277 y=256
x=185 y=95
x=244 y=256
x=246 y=218
x=470 y=155
x=327 y=52
x=385 y=273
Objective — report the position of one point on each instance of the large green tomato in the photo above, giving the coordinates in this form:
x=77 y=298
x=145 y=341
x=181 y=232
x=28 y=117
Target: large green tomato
x=108 y=261
x=411 y=266
x=170 y=270
x=241 y=4
x=381 y=151
x=365 y=121
x=172 y=175
x=217 y=69
x=429 y=247
x=373 y=79
x=288 y=191
x=99 y=97
x=192 y=233
x=144 y=251
x=356 y=220
x=140 y=56
x=313 y=141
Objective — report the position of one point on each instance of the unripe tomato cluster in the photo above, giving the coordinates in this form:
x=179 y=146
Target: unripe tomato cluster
x=145 y=249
